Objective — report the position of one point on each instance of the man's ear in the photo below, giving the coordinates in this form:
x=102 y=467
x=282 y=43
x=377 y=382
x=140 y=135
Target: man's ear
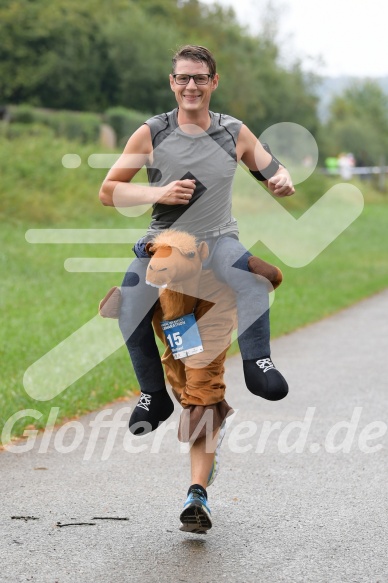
x=149 y=249
x=203 y=251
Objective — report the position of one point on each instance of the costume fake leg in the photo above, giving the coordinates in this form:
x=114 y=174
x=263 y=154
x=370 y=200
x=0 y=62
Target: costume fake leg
x=137 y=307
x=229 y=260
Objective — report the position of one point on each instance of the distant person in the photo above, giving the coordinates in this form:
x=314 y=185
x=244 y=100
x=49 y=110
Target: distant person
x=345 y=165
x=191 y=155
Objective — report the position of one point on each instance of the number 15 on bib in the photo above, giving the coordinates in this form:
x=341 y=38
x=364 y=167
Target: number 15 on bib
x=182 y=336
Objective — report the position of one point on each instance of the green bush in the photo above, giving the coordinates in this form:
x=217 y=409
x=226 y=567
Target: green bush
x=79 y=126
x=21 y=114
x=17 y=130
x=83 y=127
x=124 y=122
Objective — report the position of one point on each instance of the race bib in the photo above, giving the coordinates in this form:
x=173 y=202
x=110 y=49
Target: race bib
x=182 y=336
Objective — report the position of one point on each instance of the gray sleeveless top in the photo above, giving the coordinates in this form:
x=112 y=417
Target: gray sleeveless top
x=210 y=158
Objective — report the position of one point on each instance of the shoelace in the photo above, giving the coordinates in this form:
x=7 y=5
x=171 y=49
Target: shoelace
x=265 y=364
x=198 y=495
x=144 y=401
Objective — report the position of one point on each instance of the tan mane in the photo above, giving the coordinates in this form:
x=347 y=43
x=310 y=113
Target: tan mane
x=185 y=242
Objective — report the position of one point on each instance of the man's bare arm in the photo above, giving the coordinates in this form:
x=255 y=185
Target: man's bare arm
x=117 y=189
x=256 y=158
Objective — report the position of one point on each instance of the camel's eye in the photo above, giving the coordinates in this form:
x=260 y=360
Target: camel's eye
x=191 y=254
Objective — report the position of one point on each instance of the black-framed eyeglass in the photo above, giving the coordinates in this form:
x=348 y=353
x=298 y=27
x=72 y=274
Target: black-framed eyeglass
x=202 y=79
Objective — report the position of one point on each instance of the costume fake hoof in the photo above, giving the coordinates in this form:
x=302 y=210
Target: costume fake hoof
x=264 y=380
x=151 y=410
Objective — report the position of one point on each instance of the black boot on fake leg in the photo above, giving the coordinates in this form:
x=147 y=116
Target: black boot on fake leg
x=151 y=410
x=264 y=380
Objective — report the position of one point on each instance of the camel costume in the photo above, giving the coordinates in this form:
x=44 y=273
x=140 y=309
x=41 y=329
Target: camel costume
x=197 y=380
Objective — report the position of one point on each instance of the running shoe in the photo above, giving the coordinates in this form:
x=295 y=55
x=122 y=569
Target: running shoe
x=195 y=517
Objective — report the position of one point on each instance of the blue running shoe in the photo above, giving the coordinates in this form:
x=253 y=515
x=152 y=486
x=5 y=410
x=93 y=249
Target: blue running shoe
x=216 y=464
x=195 y=517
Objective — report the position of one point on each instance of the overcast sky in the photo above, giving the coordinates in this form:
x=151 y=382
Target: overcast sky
x=351 y=36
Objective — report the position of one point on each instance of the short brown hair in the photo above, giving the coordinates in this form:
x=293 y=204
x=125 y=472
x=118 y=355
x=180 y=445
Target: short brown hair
x=195 y=53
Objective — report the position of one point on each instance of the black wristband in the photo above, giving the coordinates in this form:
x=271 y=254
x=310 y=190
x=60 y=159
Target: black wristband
x=270 y=170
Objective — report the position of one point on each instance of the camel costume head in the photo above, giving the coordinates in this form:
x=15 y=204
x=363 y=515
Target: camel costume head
x=175 y=258
x=175 y=268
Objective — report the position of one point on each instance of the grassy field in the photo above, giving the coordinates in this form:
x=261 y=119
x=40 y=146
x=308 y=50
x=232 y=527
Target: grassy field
x=43 y=303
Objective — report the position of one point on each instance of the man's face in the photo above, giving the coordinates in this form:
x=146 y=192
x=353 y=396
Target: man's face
x=192 y=97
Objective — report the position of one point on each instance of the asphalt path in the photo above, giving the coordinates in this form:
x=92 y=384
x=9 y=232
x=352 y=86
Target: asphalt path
x=301 y=495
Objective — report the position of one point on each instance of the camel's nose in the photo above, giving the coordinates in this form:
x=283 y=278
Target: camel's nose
x=157 y=270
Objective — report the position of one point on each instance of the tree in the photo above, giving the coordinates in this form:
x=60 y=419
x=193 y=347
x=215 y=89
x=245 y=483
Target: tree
x=358 y=122
x=52 y=53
